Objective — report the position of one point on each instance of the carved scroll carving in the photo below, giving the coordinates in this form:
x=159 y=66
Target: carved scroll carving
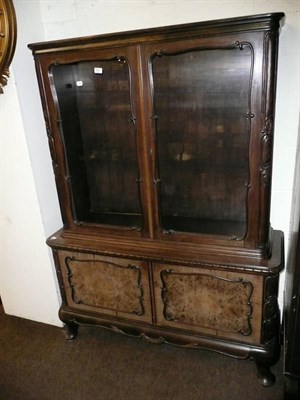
x=271 y=308
x=8 y=37
x=267 y=112
x=267 y=145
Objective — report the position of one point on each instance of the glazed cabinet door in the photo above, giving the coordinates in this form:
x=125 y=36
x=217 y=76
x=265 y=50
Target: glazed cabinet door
x=211 y=302
x=109 y=286
x=94 y=117
x=210 y=153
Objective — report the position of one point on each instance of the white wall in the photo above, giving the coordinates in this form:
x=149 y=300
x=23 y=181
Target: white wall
x=46 y=20
x=28 y=288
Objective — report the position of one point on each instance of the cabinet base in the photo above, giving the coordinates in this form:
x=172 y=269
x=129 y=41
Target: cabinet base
x=265 y=356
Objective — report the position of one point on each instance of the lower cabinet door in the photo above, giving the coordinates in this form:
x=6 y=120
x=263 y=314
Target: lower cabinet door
x=106 y=285
x=210 y=302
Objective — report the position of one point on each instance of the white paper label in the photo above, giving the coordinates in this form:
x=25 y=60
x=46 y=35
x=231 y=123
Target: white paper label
x=98 y=70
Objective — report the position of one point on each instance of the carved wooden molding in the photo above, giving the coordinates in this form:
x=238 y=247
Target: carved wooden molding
x=271 y=312
x=8 y=38
x=234 y=351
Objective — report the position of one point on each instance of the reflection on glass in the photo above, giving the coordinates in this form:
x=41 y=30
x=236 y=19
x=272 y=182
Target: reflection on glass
x=201 y=100
x=97 y=126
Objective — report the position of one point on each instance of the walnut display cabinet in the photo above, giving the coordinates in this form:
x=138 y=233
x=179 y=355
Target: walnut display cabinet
x=161 y=142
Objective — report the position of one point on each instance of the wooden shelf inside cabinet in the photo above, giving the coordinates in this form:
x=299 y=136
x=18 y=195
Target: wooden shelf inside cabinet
x=232 y=229
x=161 y=141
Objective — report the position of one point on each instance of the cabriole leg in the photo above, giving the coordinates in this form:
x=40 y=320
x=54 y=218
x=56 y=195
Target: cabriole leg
x=265 y=376
x=71 y=330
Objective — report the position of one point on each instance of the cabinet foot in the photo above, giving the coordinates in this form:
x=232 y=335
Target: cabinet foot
x=265 y=376
x=71 y=330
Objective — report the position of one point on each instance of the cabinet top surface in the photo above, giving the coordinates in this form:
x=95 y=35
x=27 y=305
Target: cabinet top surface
x=271 y=21
x=183 y=254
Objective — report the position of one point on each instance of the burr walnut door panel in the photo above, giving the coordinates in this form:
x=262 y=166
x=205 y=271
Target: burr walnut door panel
x=212 y=302
x=106 y=285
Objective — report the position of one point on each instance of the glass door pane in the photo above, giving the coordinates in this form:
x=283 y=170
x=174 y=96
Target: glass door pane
x=201 y=107
x=99 y=135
